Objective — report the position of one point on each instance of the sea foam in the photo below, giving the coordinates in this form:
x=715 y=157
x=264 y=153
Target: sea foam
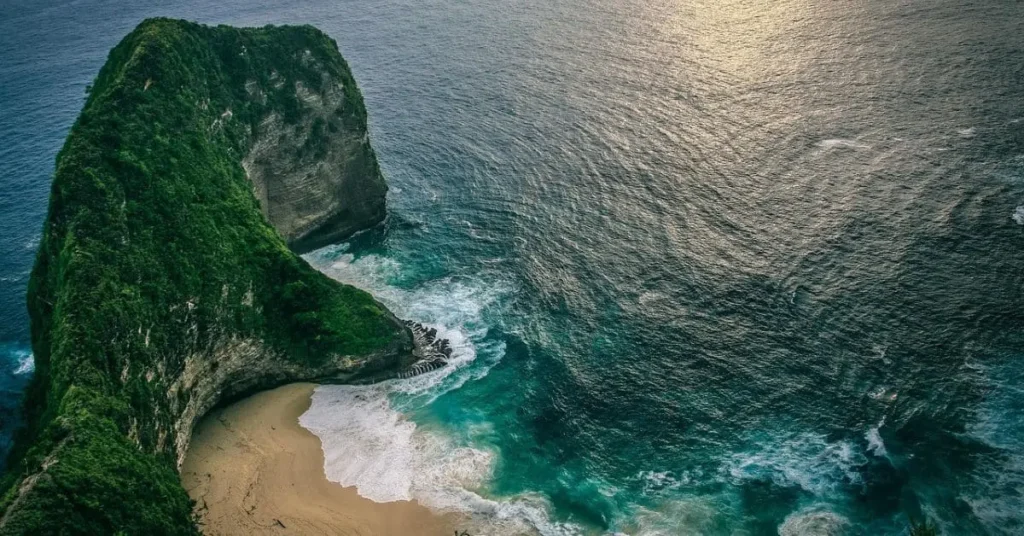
x=1018 y=215
x=374 y=447
x=371 y=442
x=26 y=365
x=814 y=521
x=874 y=438
x=26 y=362
x=808 y=461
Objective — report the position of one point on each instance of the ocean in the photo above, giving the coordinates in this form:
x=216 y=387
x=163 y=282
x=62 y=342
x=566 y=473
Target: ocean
x=725 y=267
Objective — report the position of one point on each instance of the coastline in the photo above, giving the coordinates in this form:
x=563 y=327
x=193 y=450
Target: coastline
x=252 y=469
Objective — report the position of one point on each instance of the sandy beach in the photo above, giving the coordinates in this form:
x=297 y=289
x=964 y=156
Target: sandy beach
x=253 y=470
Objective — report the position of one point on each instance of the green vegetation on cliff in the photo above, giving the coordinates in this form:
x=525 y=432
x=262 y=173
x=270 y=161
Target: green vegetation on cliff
x=154 y=251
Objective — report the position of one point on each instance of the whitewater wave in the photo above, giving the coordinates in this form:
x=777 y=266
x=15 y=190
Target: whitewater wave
x=1018 y=215
x=454 y=307
x=387 y=457
x=808 y=461
x=25 y=362
x=814 y=521
x=26 y=365
x=874 y=438
x=369 y=438
x=655 y=481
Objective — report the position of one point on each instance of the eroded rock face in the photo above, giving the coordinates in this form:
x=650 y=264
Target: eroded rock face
x=238 y=367
x=316 y=177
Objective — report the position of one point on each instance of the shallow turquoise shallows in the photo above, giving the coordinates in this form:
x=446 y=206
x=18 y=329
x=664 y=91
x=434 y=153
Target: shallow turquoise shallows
x=708 y=267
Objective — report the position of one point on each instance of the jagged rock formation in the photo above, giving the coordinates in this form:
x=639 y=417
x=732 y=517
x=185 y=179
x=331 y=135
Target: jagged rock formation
x=431 y=352
x=160 y=289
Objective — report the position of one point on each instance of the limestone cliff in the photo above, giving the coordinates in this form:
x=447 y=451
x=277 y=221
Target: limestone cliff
x=317 y=179
x=160 y=289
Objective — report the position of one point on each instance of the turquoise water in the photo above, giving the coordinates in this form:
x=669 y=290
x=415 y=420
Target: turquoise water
x=708 y=267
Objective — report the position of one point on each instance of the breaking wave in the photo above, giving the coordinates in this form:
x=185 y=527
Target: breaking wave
x=808 y=461
x=381 y=439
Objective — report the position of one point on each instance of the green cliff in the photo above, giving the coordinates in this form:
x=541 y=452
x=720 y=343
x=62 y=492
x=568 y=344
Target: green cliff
x=162 y=288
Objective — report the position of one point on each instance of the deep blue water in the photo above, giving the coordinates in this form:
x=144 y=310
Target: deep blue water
x=710 y=267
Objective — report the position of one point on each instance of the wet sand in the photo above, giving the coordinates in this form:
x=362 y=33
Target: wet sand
x=253 y=470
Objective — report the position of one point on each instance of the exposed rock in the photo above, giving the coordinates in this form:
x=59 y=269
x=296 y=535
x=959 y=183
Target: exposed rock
x=317 y=180
x=430 y=352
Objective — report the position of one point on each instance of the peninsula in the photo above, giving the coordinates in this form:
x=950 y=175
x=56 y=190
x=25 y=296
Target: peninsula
x=166 y=281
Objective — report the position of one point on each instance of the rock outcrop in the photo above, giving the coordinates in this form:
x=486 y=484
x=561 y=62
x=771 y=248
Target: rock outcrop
x=160 y=289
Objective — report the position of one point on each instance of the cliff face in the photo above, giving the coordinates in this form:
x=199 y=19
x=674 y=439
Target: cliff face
x=160 y=289
x=316 y=177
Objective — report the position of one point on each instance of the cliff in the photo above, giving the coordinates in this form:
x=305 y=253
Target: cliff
x=160 y=289
x=314 y=173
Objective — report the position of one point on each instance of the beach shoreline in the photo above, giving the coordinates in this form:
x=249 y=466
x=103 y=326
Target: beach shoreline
x=252 y=469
